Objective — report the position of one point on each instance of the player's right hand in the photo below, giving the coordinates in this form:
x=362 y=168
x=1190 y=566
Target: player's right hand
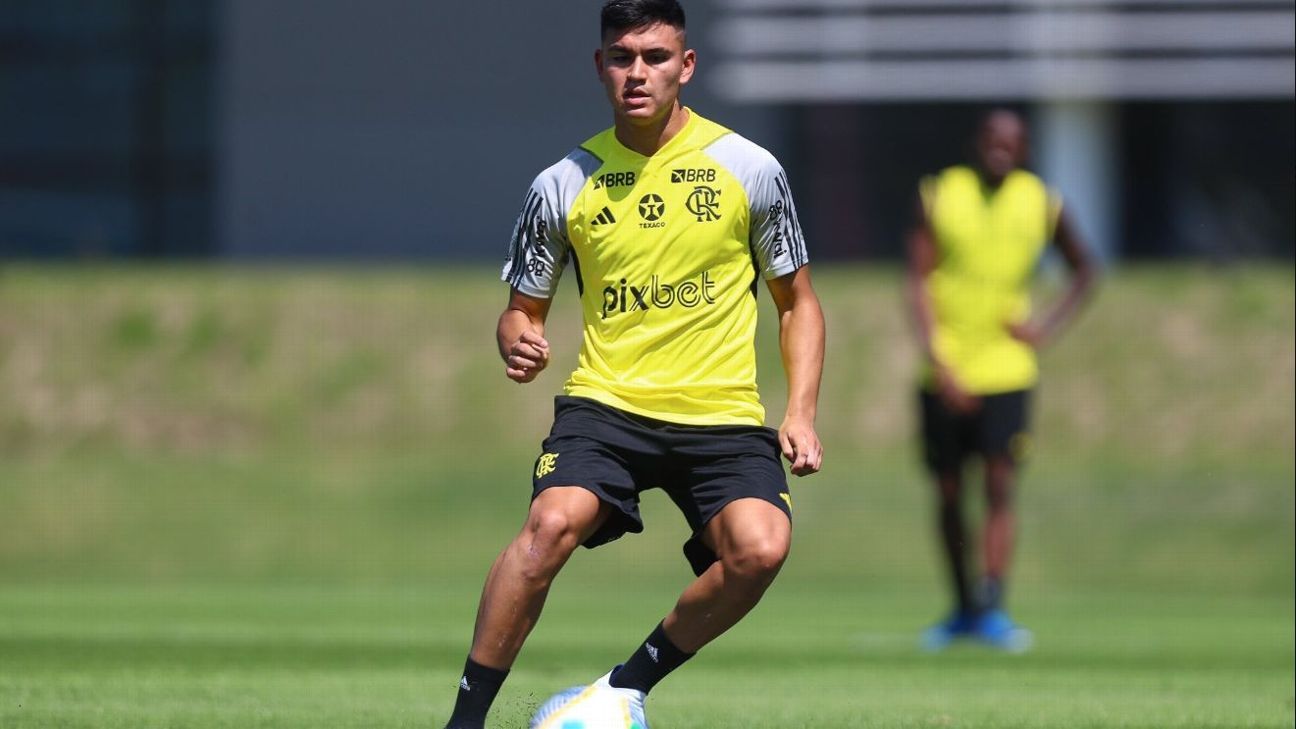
x=951 y=393
x=527 y=357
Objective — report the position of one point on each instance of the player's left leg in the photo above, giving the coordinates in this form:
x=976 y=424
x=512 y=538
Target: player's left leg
x=750 y=537
x=994 y=626
x=1000 y=528
x=1004 y=441
x=729 y=483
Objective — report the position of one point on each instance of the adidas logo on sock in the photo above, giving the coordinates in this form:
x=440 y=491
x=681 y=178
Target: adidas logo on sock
x=604 y=217
x=463 y=684
x=652 y=651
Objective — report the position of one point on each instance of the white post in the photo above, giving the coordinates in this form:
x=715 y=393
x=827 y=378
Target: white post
x=1076 y=145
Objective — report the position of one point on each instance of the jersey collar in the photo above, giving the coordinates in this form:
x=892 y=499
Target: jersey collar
x=666 y=150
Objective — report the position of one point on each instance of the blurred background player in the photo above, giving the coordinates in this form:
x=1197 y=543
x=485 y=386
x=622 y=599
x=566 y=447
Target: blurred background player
x=980 y=233
x=667 y=220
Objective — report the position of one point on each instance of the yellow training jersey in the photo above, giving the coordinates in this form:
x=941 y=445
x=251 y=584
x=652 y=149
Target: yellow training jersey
x=988 y=243
x=666 y=252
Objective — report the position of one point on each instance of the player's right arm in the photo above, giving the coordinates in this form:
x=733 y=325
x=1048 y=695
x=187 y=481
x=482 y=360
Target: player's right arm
x=538 y=252
x=520 y=336
x=922 y=260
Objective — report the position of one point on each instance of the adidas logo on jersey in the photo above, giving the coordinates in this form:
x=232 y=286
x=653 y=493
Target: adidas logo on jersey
x=604 y=217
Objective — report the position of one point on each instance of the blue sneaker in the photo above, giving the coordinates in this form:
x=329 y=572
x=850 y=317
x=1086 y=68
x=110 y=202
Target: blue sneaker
x=995 y=628
x=958 y=625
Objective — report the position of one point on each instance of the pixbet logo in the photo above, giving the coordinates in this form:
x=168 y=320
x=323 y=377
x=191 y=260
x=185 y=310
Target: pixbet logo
x=624 y=296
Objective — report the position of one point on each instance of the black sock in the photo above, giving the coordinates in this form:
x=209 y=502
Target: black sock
x=991 y=597
x=656 y=658
x=477 y=691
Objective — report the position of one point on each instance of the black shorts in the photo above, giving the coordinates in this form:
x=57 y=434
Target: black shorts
x=998 y=428
x=618 y=455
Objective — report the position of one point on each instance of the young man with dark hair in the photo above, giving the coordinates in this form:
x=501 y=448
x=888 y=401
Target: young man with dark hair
x=979 y=236
x=667 y=222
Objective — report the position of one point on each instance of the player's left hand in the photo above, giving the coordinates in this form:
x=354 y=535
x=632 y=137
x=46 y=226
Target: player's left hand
x=801 y=446
x=1027 y=332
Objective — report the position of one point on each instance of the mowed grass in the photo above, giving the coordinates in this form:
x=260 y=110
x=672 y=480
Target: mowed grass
x=816 y=655
x=266 y=498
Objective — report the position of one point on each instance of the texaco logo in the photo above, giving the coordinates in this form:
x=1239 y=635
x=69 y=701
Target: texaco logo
x=651 y=207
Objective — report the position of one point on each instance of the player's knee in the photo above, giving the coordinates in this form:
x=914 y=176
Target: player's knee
x=949 y=489
x=999 y=484
x=758 y=560
x=999 y=496
x=999 y=502
x=551 y=536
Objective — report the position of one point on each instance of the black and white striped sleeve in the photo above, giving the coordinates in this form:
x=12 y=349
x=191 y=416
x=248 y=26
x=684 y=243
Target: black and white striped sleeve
x=540 y=246
x=777 y=243
x=776 y=237
x=538 y=250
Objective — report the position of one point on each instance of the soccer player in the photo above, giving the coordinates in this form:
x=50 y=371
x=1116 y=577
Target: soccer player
x=980 y=233
x=666 y=221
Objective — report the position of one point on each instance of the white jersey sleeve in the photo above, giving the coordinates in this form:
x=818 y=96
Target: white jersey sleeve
x=776 y=240
x=540 y=246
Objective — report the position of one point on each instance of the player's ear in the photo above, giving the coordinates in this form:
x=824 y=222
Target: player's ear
x=598 y=62
x=690 y=62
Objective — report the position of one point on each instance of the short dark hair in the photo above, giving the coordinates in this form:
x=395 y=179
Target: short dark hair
x=622 y=15
x=1003 y=110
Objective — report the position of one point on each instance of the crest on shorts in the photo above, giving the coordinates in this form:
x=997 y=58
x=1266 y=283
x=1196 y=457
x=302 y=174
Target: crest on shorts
x=545 y=464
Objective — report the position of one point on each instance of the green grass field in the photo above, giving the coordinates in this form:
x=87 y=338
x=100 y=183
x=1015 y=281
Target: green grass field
x=266 y=498
x=817 y=654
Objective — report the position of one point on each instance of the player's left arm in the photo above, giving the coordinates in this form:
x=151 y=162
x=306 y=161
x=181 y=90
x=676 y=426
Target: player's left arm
x=1084 y=274
x=801 y=340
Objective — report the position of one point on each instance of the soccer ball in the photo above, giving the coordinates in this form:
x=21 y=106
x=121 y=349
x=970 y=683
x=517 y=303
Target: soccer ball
x=588 y=707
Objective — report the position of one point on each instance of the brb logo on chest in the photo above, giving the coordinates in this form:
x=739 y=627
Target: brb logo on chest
x=614 y=179
x=693 y=174
x=624 y=296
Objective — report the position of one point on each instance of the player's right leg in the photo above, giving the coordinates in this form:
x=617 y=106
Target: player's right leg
x=582 y=493
x=560 y=519
x=944 y=450
x=961 y=620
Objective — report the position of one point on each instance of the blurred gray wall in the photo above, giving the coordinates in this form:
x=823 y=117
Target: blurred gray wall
x=403 y=128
